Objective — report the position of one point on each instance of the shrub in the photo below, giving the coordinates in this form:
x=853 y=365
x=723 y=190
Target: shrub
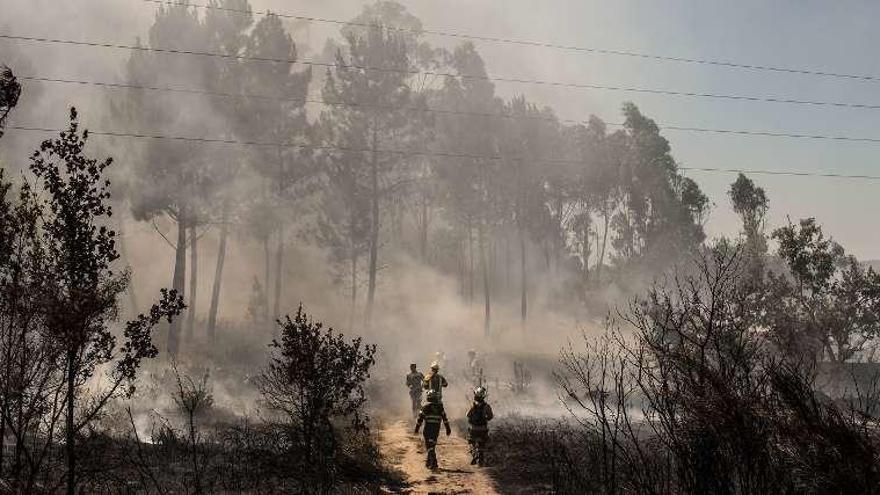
x=315 y=380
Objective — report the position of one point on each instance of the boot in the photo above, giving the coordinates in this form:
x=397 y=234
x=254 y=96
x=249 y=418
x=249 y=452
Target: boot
x=432 y=460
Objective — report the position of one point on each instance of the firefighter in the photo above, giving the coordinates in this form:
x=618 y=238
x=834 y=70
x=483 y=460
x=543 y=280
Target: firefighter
x=431 y=415
x=435 y=381
x=414 y=382
x=478 y=417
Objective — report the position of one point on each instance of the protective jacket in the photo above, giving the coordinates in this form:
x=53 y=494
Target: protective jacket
x=432 y=414
x=479 y=416
x=436 y=382
x=414 y=382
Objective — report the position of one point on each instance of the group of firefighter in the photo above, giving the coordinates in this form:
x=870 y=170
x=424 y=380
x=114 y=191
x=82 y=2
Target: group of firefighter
x=432 y=413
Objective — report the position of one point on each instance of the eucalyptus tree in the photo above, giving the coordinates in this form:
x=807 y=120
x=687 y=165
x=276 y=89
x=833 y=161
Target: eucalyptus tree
x=528 y=142
x=824 y=305
x=227 y=28
x=661 y=211
x=471 y=182
x=750 y=203
x=175 y=179
x=276 y=114
x=371 y=126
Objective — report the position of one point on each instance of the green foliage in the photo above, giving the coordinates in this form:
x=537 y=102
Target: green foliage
x=61 y=303
x=827 y=305
x=314 y=379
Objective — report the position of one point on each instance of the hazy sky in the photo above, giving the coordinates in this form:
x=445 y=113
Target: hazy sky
x=831 y=36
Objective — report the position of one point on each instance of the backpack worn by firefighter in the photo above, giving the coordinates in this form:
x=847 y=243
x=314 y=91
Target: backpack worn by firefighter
x=478 y=417
x=432 y=414
x=435 y=381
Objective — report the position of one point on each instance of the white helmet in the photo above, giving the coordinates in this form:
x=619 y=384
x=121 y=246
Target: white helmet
x=435 y=366
x=480 y=393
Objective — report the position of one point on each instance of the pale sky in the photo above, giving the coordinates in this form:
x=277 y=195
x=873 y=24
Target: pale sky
x=837 y=36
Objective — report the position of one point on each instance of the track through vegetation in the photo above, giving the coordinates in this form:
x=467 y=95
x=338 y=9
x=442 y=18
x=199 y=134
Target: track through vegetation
x=405 y=451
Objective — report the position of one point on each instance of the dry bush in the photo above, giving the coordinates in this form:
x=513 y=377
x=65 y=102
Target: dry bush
x=693 y=401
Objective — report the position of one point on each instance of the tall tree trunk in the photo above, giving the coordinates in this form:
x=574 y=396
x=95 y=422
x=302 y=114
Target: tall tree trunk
x=353 y=259
x=470 y=237
x=462 y=268
x=179 y=281
x=193 y=281
x=279 y=270
x=423 y=228
x=218 y=274
x=374 y=228
x=123 y=249
x=585 y=251
x=524 y=280
x=267 y=273
x=354 y=291
x=19 y=419
x=601 y=260
x=69 y=434
x=559 y=238
x=487 y=321
x=507 y=262
x=4 y=411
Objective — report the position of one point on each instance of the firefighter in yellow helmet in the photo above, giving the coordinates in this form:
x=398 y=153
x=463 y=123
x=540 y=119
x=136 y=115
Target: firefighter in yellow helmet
x=432 y=414
x=435 y=381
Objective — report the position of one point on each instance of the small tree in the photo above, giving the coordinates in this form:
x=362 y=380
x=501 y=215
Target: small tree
x=79 y=300
x=314 y=378
x=827 y=305
x=193 y=398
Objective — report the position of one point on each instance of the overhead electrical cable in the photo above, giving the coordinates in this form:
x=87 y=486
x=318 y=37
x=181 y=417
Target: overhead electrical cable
x=544 y=44
x=311 y=100
x=539 y=82
x=439 y=154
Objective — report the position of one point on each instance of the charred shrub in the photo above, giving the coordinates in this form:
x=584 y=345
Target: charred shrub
x=315 y=383
x=697 y=400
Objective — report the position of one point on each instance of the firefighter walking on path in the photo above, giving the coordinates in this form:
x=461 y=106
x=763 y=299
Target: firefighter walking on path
x=431 y=415
x=435 y=381
x=414 y=382
x=478 y=417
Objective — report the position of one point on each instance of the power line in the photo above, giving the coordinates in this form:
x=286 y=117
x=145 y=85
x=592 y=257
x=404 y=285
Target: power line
x=830 y=175
x=205 y=92
x=537 y=82
x=545 y=44
x=439 y=154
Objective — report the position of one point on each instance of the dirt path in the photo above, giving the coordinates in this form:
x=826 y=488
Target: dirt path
x=405 y=451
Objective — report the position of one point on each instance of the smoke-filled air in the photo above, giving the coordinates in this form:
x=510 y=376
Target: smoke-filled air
x=265 y=246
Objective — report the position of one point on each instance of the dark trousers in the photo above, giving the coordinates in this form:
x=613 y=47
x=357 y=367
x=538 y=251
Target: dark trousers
x=478 y=438
x=416 y=399
x=430 y=433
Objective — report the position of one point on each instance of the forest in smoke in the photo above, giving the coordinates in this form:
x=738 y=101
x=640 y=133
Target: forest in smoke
x=498 y=194
x=166 y=312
